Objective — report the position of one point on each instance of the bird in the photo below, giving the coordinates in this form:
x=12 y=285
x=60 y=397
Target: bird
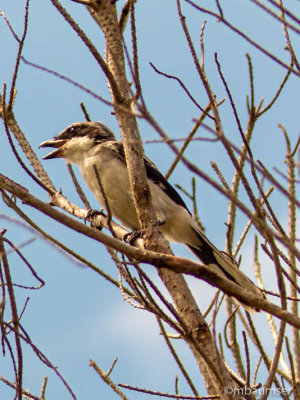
x=89 y=144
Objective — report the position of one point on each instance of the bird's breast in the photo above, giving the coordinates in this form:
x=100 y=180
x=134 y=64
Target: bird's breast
x=114 y=180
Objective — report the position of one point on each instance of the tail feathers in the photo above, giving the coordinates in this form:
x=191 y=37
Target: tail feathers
x=214 y=258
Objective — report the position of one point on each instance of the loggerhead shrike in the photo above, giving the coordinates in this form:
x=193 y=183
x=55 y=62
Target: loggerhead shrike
x=92 y=143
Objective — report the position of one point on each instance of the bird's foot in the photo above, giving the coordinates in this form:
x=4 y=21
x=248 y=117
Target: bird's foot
x=130 y=237
x=92 y=213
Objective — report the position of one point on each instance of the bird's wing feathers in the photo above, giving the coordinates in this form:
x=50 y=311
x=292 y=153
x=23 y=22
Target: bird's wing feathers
x=154 y=175
x=208 y=254
x=213 y=257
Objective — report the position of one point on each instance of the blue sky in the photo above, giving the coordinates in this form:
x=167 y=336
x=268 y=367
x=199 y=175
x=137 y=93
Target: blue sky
x=77 y=315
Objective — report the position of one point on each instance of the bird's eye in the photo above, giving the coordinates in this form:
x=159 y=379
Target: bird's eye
x=72 y=130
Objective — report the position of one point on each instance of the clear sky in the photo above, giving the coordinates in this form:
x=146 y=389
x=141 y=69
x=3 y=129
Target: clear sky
x=78 y=315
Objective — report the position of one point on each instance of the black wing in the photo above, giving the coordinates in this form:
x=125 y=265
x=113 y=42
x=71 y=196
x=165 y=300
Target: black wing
x=154 y=175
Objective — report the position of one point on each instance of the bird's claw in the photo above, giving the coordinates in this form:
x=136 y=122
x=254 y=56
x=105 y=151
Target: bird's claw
x=130 y=237
x=92 y=213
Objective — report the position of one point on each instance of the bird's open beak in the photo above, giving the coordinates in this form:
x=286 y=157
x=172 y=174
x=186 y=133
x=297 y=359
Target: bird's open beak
x=59 y=148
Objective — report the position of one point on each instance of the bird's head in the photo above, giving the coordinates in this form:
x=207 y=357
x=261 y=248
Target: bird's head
x=76 y=139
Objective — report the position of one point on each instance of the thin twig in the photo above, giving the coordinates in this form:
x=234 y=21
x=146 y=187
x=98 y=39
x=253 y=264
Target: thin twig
x=84 y=110
x=135 y=54
x=220 y=9
x=274 y=365
x=142 y=303
x=67 y=79
x=161 y=394
x=43 y=358
x=84 y=2
x=274 y=15
x=78 y=188
x=183 y=87
x=177 y=359
x=238 y=122
x=26 y=262
x=247 y=227
x=152 y=305
x=221 y=177
x=24 y=392
x=278 y=295
x=277 y=4
x=247 y=359
x=15 y=317
x=263 y=353
x=278 y=92
x=202 y=45
x=292 y=367
x=287 y=37
x=17 y=65
x=10 y=26
x=187 y=141
x=256 y=371
x=212 y=303
x=286 y=274
x=190 y=137
x=20 y=161
x=105 y=68
x=292 y=259
x=243 y=35
x=43 y=390
x=124 y=15
x=181 y=327
x=106 y=202
x=107 y=380
x=174 y=140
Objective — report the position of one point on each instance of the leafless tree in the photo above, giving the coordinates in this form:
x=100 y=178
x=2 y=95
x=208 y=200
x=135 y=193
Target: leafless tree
x=182 y=316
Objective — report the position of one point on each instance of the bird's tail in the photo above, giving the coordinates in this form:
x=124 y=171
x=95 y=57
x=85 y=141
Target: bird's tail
x=214 y=258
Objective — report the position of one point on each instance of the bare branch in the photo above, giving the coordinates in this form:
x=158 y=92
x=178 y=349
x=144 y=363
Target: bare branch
x=105 y=68
x=106 y=379
x=278 y=17
x=14 y=386
x=177 y=359
x=15 y=316
x=169 y=395
x=204 y=110
x=9 y=26
x=20 y=49
x=188 y=140
x=287 y=38
x=243 y=35
x=69 y=80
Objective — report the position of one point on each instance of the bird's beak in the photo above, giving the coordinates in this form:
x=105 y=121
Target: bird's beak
x=59 y=148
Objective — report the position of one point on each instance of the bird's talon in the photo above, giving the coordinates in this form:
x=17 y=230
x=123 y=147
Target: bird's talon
x=92 y=213
x=130 y=237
